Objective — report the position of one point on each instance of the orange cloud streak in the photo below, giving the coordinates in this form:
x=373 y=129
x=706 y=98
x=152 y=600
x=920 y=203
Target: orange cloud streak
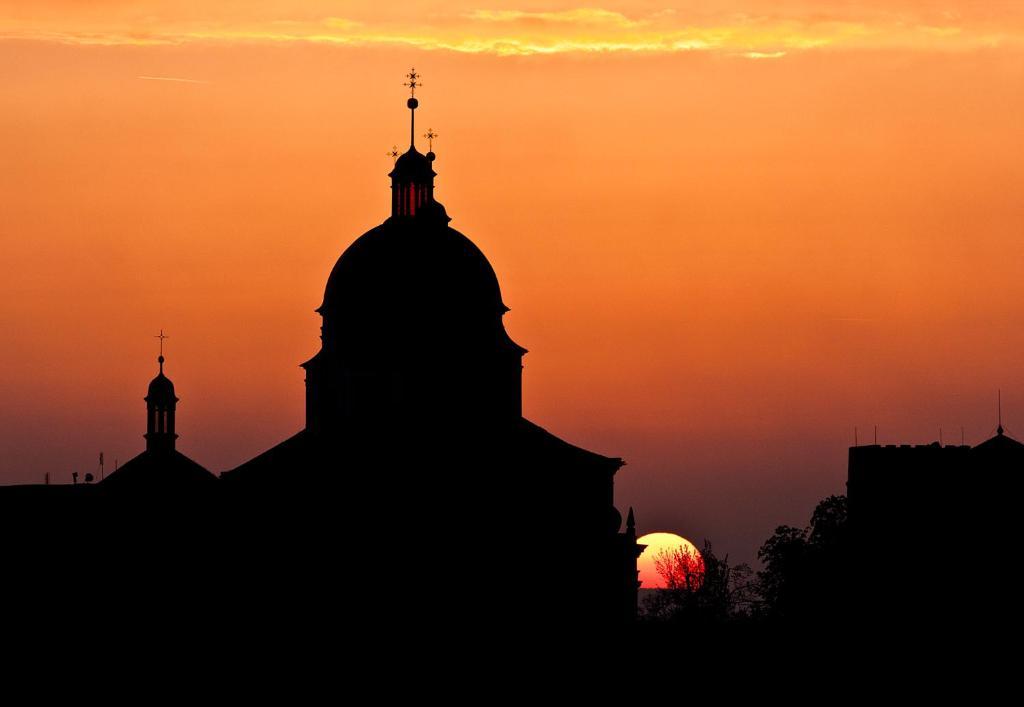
x=757 y=33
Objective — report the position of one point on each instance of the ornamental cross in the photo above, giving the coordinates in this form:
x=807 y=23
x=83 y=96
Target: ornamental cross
x=393 y=153
x=430 y=135
x=161 y=336
x=414 y=81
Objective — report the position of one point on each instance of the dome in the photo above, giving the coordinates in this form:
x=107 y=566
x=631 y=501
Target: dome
x=413 y=166
x=161 y=388
x=409 y=274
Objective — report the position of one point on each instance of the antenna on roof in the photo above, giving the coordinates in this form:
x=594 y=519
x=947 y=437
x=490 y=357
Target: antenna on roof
x=999 y=410
x=940 y=436
x=855 y=436
x=101 y=466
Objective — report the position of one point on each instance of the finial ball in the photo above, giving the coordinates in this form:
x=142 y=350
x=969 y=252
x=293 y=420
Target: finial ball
x=431 y=156
x=160 y=360
x=412 y=103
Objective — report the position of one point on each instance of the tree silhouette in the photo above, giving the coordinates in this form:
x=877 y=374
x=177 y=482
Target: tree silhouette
x=828 y=529
x=701 y=588
x=806 y=570
x=784 y=555
x=681 y=568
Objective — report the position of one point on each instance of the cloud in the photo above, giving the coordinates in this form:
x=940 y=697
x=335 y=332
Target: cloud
x=763 y=55
x=341 y=23
x=515 y=32
x=585 y=15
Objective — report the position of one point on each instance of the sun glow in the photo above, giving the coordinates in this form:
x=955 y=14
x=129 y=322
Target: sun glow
x=665 y=546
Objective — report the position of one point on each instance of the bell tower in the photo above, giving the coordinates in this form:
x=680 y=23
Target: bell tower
x=160 y=405
x=412 y=179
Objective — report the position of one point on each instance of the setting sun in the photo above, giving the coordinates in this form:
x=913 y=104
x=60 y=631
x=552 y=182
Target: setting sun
x=657 y=544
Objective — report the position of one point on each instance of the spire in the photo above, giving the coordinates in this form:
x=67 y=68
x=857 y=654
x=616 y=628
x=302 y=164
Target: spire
x=412 y=179
x=413 y=83
x=160 y=360
x=630 y=523
x=160 y=405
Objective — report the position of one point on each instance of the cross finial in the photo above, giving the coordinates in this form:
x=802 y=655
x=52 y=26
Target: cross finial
x=161 y=336
x=430 y=135
x=393 y=153
x=413 y=83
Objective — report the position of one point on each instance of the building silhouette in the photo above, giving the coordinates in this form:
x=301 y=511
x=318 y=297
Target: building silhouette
x=925 y=486
x=160 y=469
x=414 y=410
x=416 y=491
x=933 y=524
x=144 y=539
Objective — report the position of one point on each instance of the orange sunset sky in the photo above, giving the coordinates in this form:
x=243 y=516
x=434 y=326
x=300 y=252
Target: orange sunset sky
x=729 y=230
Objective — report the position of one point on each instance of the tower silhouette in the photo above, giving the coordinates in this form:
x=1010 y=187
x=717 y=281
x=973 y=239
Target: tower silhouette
x=920 y=513
x=160 y=405
x=161 y=470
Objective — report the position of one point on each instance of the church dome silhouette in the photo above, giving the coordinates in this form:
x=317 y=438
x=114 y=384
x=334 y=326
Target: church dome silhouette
x=161 y=388
x=414 y=405
x=413 y=164
x=392 y=275
x=413 y=282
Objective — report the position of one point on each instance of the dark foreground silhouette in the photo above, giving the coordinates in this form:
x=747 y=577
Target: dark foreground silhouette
x=923 y=551
x=416 y=495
